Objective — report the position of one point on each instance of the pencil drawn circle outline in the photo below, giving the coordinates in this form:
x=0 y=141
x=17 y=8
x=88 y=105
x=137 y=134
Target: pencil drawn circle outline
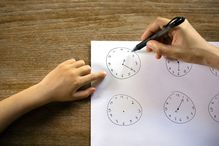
x=174 y=97
x=209 y=107
x=188 y=70
x=131 y=98
x=135 y=54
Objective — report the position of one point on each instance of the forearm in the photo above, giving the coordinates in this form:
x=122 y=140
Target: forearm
x=212 y=57
x=60 y=85
x=15 y=106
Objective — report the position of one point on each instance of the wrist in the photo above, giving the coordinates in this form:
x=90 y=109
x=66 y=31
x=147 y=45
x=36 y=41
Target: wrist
x=43 y=94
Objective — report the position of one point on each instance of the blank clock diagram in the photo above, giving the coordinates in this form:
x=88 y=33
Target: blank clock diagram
x=214 y=71
x=179 y=108
x=123 y=63
x=124 y=110
x=178 y=68
x=213 y=108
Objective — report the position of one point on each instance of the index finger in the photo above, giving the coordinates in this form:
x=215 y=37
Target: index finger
x=154 y=27
x=92 y=77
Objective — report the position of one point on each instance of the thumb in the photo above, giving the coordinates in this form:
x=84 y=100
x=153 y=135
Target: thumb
x=83 y=93
x=159 y=48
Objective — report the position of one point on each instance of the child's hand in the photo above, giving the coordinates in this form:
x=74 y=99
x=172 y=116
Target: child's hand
x=63 y=82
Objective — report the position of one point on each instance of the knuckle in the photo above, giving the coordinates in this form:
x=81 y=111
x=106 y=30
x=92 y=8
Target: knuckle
x=62 y=66
x=88 y=68
x=93 y=77
x=76 y=83
x=71 y=60
x=73 y=73
x=159 y=18
x=82 y=62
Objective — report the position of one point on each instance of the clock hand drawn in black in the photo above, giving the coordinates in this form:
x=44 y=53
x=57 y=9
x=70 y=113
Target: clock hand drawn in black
x=123 y=110
x=178 y=68
x=122 y=63
x=179 y=105
x=213 y=108
x=178 y=65
x=179 y=108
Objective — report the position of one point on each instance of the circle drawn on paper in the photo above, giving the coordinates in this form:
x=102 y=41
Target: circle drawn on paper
x=123 y=110
x=178 y=68
x=214 y=71
x=179 y=108
x=123 y=63
x=213 y=108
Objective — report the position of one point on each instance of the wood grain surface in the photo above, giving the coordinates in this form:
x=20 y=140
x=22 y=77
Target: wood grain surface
x=36 y=35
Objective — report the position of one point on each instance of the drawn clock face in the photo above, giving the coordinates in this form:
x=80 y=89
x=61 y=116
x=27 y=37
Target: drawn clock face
x=178 y=68
x=215 y=72
x=123 y=63
x=179 y=108
x=123 y=110
x=213 y=108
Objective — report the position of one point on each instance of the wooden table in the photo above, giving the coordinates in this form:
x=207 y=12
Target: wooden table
x=36 y=35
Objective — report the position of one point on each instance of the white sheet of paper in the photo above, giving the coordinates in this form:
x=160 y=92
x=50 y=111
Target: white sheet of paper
x=148 y=102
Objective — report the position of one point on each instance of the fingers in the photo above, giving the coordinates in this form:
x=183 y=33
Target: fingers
x=154 y=27
x=161 y=49
x=148 y=49
x=92 y=77
x=84 y=70
x=83 y=93
x=70 y=61
x=86 y=80
x=81 y=73
x=78 y=64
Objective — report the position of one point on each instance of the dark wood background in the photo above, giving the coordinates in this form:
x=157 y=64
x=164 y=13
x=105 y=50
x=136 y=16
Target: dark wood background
x=36 y=35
